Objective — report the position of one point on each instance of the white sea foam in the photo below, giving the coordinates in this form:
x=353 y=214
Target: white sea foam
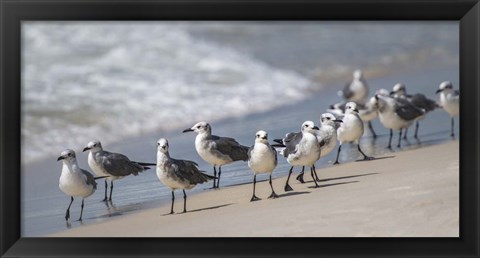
x=107 y=82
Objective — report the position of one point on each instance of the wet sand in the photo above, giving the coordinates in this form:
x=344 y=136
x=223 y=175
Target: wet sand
x=413 y=193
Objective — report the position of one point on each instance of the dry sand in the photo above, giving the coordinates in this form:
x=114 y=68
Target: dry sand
x=415 y=193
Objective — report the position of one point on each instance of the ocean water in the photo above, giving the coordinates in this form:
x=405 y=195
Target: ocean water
x=110 y=80
x=129 y=83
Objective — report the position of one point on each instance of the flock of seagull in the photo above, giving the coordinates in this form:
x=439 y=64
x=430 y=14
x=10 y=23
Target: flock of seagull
x=343 y=123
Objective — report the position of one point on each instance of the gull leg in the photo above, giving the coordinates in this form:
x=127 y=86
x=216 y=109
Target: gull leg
x=370 y=126
x=416 y=130
x=173 y=200
x=315 y=172
x=312 y=172
x=111 y=189
x=254 y=198
x=273 y=195
x=287 y=186
x=184 y=201
x=399 y=138
x=215 y=175
x=67 y=214
x=405 y=134
x=390 y=140
x=452 y=134
x=300 y=176
x=81 y=211
x=219 y=173
x=106 y=189
x=338 y=154
x=365 y=157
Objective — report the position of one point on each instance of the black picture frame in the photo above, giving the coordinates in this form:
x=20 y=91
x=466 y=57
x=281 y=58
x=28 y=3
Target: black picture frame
x=13 y=12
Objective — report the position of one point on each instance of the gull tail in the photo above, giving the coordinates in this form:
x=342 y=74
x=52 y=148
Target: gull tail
x=279 y=141
x=145 y=164
x=100 y=177
x=208 y=177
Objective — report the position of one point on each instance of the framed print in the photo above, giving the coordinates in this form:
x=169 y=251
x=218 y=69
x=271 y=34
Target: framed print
x=239 y=128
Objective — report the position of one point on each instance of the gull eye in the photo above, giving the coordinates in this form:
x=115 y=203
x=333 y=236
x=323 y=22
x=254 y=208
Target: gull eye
x=198 y=127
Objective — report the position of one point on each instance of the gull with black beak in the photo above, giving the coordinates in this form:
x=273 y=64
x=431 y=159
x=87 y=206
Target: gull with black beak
x=326 y=136
x=113 y=165
x=262 y=158
x=301 y=149
x=351 y=129
x=418 y=100
x=177 y=173
x=217 y=151
x=449 y=100
x=74 y=181
x=396 y=114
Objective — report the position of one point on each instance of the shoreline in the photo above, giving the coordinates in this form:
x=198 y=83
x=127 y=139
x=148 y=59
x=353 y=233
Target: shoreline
x=399 y=196
x=137 y=193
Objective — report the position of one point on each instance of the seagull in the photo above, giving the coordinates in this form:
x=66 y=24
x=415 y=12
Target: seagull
x=396 y=114
x=418 y=100
x=351 y=129
x=367 y=112
x=449 y=100
x=177 y=173
x=262 y=158
x=326 y=136
x=301 y=149
x=356 y=90
x=74 y=181
x=114 y=165
x=217 y=151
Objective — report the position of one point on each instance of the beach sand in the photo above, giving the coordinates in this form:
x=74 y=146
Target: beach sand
x=413 y=193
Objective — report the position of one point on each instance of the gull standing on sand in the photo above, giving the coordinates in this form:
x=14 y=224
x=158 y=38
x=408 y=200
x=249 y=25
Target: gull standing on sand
x=449 y=100
x=262 y=158
x=301 y=149
x=114 y=165
x=74 y=181
x=326 y=136
x=418 y=100
x=350 y=130
x=356 y=90
x=177 y=173
x=217 y=151
x=396 y=114
x=367 y=112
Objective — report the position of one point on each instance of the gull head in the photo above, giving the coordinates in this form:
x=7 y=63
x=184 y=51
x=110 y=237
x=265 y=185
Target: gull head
x=351 y=107
x=261 y=136
x=329 y=119
x=93 y=146
x=309 y=126
x=67 y=156
x=357 y=74
x=200 y=127
x=382 y=92
x=399 y=89
x=445 y=86
x=162 y=145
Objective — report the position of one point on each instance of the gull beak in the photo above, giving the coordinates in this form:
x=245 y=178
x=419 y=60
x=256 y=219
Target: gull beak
x=338 y=120
x=376 y=96
x=392 y=92
x=438 y=91
x=60 y=158
x=316 y=128
x=187 y=130
x=85 y=149
x=356 y=110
